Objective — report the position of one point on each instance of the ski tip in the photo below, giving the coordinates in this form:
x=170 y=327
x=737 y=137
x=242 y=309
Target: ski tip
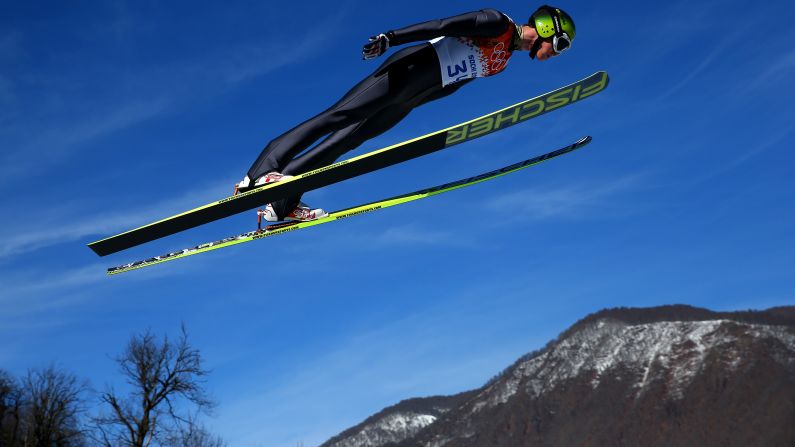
x=583 y=141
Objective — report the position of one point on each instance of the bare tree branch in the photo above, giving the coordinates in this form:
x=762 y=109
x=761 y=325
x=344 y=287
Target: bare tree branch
x=11 y=401
x=166 y=381
x=52 y=408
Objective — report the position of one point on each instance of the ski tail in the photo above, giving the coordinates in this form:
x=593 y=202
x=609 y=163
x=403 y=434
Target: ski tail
x=278 y=229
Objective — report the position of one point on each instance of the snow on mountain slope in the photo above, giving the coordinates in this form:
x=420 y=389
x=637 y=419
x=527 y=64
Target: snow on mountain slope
x=673 y=375
x=670 y=351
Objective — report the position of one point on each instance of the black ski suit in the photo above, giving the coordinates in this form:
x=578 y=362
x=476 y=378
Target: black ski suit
x=407 y=79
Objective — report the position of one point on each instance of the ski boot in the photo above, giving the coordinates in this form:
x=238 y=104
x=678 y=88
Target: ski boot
x=301 y=213
x=271 y=177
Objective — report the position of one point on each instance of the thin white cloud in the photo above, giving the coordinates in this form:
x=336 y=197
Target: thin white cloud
x=780 y=70
x=28 y=296
x=43 y=297
x=45 y=230
x=727 y=42
x=578 y=201
x=367 y=237
x=56 y=141
x=58 y=131
x=663 y=34
x=413 y=234
x=763 y=145
x=43 y=282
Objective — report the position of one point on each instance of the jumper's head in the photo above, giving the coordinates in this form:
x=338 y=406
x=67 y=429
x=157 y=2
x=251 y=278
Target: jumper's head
x=554 y=26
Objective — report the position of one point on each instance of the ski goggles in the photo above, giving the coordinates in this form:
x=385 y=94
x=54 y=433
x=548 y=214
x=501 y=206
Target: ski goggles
x=561 y=43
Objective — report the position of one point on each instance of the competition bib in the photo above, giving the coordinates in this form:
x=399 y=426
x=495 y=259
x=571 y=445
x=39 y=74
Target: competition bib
x=473 y=57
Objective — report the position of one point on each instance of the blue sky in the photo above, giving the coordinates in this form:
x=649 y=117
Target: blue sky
x=118 y=113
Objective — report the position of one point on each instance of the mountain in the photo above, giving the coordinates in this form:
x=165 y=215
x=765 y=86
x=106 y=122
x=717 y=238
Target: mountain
x=663 y=376
x=399 y=422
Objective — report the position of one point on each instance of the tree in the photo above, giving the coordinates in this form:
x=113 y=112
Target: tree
x=166 y=379
x=10 y=410
x=194 y=434
x=52 y=404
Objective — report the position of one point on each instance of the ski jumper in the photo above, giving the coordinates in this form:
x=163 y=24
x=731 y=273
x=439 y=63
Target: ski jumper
x=464 y=47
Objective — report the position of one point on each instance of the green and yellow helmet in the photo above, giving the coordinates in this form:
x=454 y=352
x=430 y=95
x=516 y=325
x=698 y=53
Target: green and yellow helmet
x=552 y=25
